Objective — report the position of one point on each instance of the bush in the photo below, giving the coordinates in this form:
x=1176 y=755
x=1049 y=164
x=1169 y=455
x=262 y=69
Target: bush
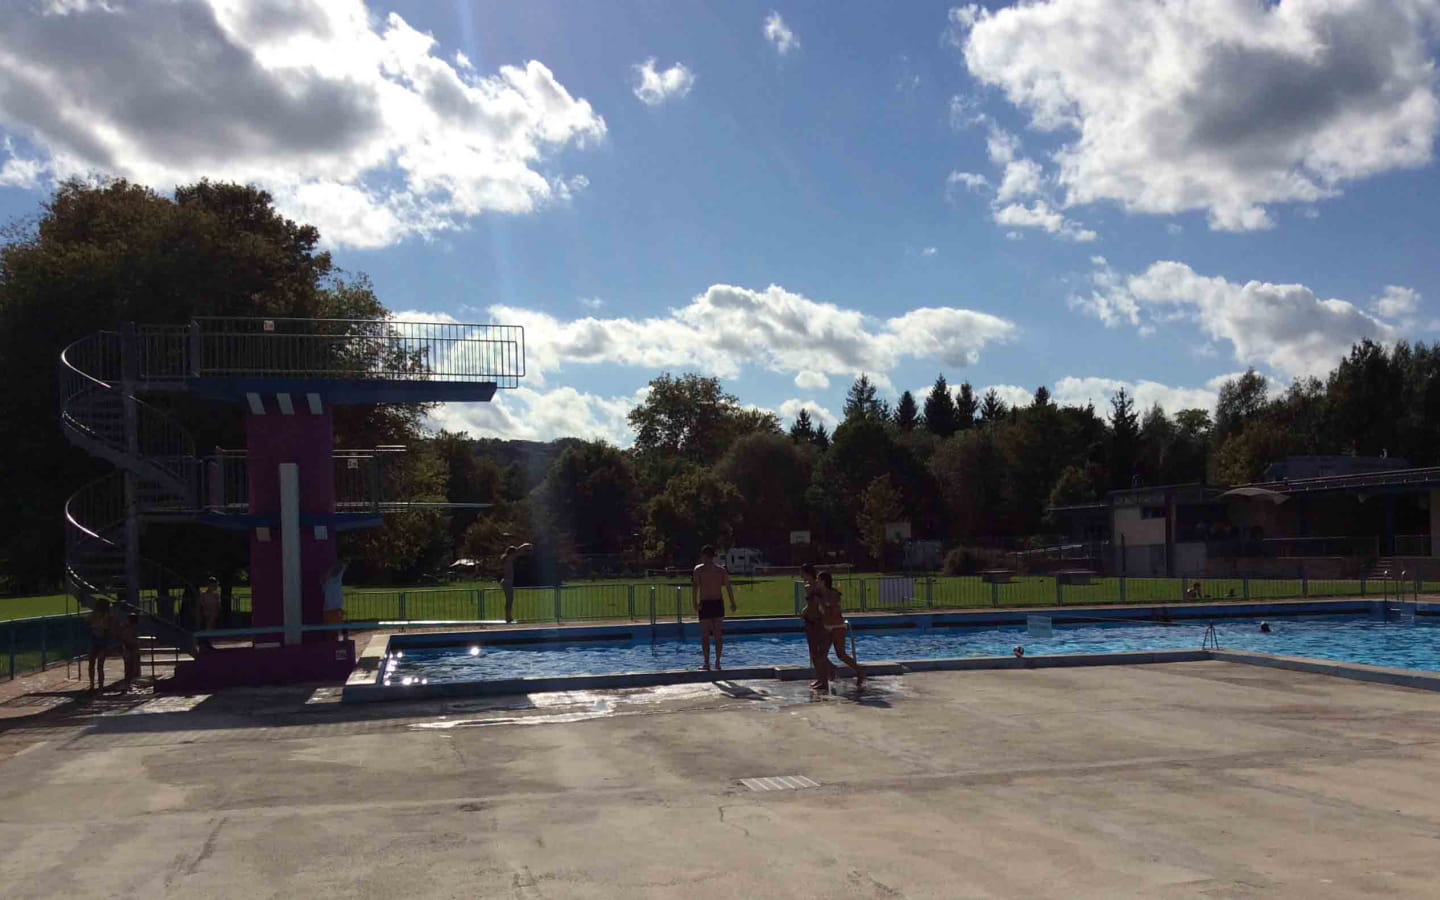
x=972 y=560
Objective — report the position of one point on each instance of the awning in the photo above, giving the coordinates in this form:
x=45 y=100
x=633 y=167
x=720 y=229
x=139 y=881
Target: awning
x=1257 y=492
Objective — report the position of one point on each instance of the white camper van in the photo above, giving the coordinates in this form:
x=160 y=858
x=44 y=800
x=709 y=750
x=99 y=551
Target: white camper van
x=741 y=560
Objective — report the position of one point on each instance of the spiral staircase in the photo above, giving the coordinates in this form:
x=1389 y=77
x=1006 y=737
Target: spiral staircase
x=157 y=478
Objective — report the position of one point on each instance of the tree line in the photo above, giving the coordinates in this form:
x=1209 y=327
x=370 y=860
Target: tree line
x=703 y=468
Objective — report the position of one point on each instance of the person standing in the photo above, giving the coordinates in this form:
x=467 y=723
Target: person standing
x=709 y=582
x=836 y=628
x=816 y=637
x=102 y=627
x=207 y=611
x=507 y=577
x=334 y=594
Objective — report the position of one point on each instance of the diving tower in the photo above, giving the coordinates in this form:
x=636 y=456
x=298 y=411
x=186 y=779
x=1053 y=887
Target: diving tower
x=290 y=490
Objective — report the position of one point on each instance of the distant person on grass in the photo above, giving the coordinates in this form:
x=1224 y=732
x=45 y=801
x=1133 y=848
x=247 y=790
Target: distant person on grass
x=102 y=631
x=507 y=577
x=710 y=582
x=835 y=628
x=334 y=593
x=816 y=637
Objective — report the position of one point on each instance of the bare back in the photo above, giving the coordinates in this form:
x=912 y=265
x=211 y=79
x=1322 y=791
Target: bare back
x=710 y=581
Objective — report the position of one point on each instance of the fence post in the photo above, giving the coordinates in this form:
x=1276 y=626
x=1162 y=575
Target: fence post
x=557 y=604
x=402 y=606
x=930 y=591
x=862 y=595
x=1059 y=592
x=44 y=627
x=1245 y=587
x=630 y=600
x=652 y=610
x=1304 y=582
x=1362 y=583
x=479 y=594
x=11 y=627
x=679 y=593
x=994 y=593
x=1123 y=598
x=796 y=595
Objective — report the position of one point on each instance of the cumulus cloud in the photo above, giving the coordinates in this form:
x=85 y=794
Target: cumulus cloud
x=654 y=87
x=1040 y=215
x=1012 y=394
x=1285 y=326
x=1397 y=302
x=353 y=123
x=1020 y=178
x=1073 y=391
x=819 y=414
x=811 y=381
x=1225 y=106
x=779 y=34
x=726 y=329
x=539 y=415
x=969 y=181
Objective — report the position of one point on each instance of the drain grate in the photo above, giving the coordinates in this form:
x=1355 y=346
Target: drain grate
x=779 y=783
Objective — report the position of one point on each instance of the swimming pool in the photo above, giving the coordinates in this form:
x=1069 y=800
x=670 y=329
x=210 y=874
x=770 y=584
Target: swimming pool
x=1358 y=639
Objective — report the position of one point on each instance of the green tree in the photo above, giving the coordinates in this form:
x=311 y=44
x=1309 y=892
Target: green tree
x=803 y=431
x=1241 y=400
x=974 y=483
x=1124 y=440
x=966 y=407
x=940 y=413
x=689 y=420
x=992 y=408
x=771 y=474
x=880 y=504
x=1073 y=486
x=696 y=508
x=589 y=494
x=906 y=412
x=862 y=403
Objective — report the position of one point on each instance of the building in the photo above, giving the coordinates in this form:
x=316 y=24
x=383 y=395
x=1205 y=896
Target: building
x=742 y=560
x=1328 y=516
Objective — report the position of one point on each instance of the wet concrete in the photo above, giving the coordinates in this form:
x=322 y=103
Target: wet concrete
x=1187 y=779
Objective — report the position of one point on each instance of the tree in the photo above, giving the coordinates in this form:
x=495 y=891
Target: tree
x=771 y=473
x=100 y=255
x=862 y=404
x=940 y=412
x=906 y=412
x=992 y=408
x=695 y=508
x=880 y=504
x=589 y=493
x=974 y=483
x=966 y=408
x=1240 y=401
x=1042 y=397
x=822 y=437
x=692 y=419
x=1073 y=486
x=1124 y=440
x=803 y=431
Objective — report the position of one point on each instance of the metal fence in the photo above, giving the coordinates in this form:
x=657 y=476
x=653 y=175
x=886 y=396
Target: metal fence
x=35 y=644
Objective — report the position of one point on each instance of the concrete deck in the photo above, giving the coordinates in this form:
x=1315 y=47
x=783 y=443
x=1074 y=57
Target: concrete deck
x=1173 y=780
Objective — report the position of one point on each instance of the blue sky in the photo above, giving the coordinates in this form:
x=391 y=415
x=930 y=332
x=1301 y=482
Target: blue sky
x=1078 y=193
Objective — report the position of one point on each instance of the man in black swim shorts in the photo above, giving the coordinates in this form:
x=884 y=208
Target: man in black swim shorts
x=709 y=582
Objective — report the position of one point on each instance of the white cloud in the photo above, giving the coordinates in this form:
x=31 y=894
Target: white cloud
x=1022 y=179
x=1012 y=394
x=1397 y=302
x=929 y=251
x=655 y=87
x=591 y=302
x=969 y=181
x=1225 y=106
x=791 y=408
x=534 y=415
x=352 y=122
x=1285 y=326
x=1073 y=391
x=726 y=329
x=779 y=34
x=811 y=381
x=1040 y=215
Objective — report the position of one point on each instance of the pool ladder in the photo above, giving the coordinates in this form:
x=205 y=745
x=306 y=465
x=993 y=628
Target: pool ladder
x=1211 y=641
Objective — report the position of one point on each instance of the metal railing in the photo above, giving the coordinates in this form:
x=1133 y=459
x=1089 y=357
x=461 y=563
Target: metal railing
x=372 y=349
x=360 y=481
x=37 y=643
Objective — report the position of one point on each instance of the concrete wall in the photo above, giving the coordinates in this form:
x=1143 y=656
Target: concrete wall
x=1136 y=530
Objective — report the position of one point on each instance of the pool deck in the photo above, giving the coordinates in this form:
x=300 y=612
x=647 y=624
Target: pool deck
x=1187 y=779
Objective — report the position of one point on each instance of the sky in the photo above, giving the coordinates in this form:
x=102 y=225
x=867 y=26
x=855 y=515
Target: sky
x=1081 y=194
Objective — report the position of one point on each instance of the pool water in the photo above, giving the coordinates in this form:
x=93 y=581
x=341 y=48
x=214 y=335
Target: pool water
x=1346 y=639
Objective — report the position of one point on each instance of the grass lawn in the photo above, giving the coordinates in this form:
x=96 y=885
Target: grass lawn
x=28 y=607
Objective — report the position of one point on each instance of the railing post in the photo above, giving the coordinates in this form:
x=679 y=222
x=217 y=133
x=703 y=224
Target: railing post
x=195 y=366
x=679 y=593
x=630 y=600
x=795 y=594
x=652 y=608
x=557 y=604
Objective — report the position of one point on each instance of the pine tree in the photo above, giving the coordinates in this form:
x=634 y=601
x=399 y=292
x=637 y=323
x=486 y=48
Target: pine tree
x=861 y=403
x=803 y=431
x=822 y=437
x=906 y=412
x=992 y=408
x=1124 y=439
x=965 y=407
x=1042 y=397
x=940 y=409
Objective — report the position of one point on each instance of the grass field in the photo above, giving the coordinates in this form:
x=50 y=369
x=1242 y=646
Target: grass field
x=593 y=600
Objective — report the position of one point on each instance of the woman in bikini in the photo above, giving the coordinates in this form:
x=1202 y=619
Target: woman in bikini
x=833 y=618
x=816 y=636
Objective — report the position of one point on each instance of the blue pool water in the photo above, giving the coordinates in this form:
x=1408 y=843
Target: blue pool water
x=1346 y=639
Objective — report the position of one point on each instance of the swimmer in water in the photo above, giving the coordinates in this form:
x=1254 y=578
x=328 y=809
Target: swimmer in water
x=1264 y=627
